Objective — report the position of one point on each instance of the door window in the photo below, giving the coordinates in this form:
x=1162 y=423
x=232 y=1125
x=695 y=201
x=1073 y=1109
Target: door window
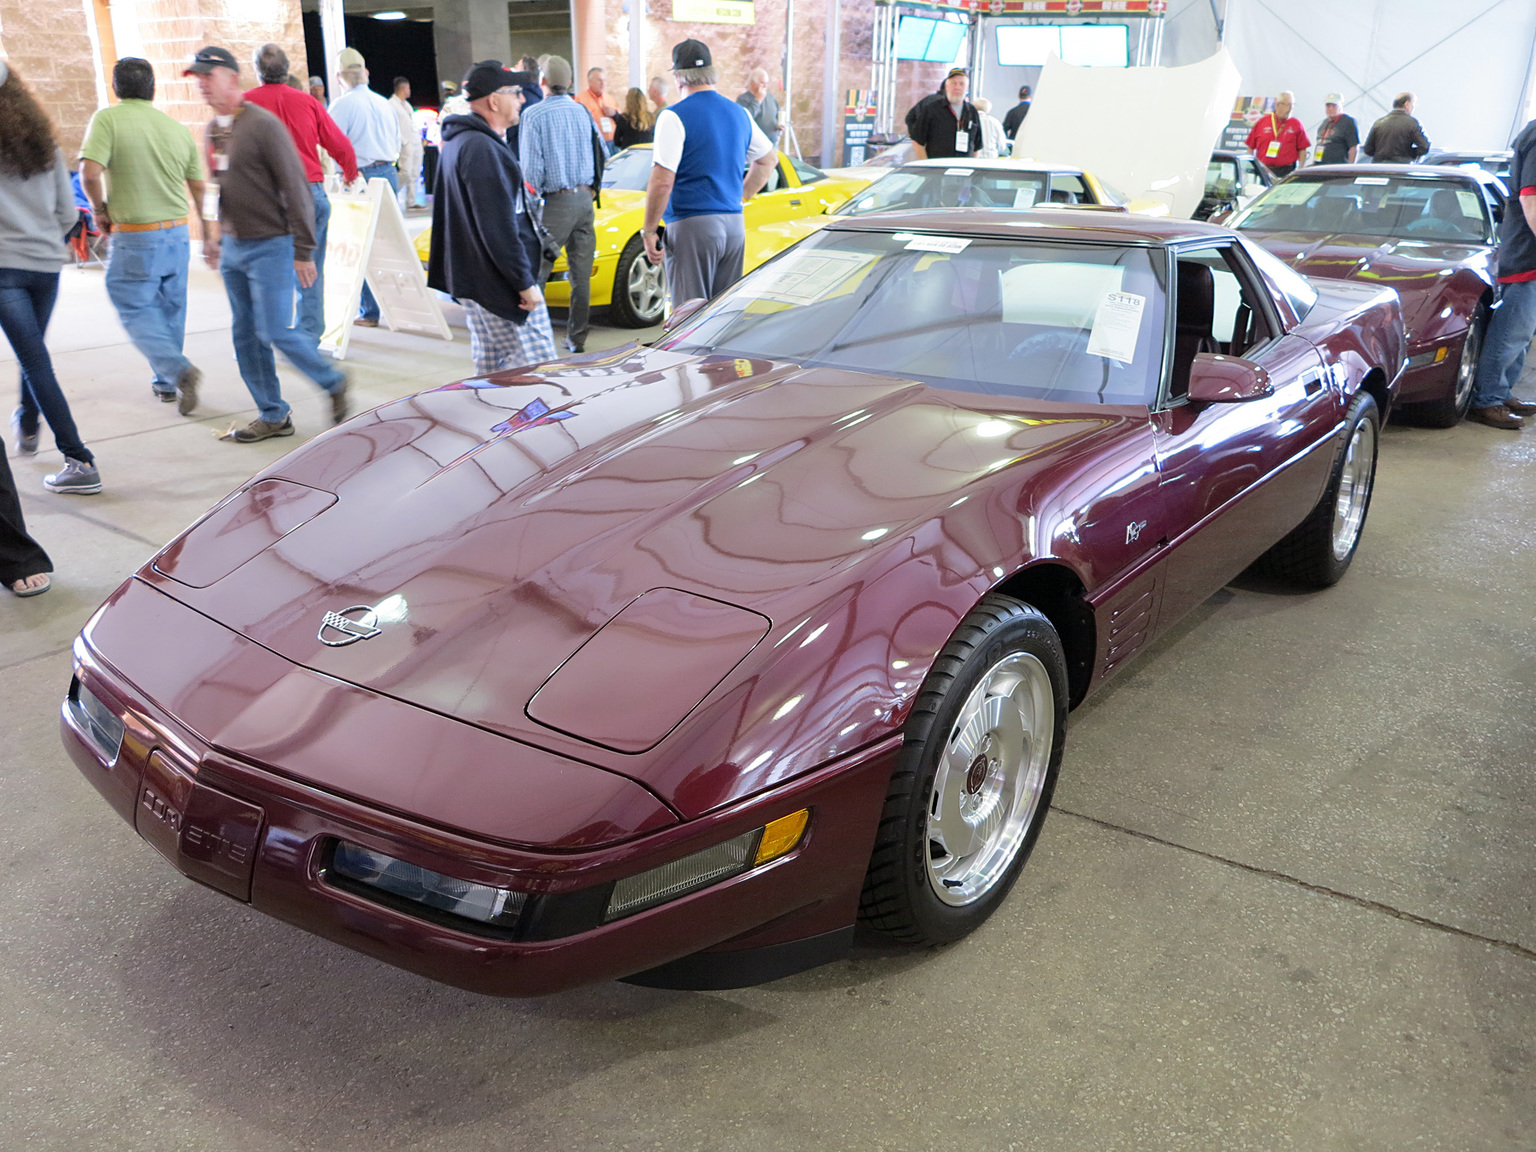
x=1217 y=311
x=1069 y=189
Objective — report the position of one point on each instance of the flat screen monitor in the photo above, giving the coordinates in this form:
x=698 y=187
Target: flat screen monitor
x=922 y=38
x=948 y=40
x=1096 y=45
x=1027 y=45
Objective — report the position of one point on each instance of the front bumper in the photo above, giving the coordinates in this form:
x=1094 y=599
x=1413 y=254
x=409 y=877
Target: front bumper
x=257 y=834
x=1431 y=368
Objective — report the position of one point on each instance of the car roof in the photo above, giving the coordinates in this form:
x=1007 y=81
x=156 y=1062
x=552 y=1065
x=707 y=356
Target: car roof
x=1001 y=163
x=1037 y=223
x=1230 y=154
x=1423 y=171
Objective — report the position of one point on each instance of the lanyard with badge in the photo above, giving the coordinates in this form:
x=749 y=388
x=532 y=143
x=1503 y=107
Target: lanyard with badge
x=1273 y=150
x=221 y=131
x=962 y=134
x=1324 y=130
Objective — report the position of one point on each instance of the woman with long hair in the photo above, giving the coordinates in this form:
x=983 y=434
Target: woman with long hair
x=634 y=125
x=37 y=208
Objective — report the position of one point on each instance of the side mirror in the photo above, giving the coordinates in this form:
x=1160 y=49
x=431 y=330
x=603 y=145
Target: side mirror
x=1219 y=217
x=1252 y=189
x=682 y=312
x=1216 y=379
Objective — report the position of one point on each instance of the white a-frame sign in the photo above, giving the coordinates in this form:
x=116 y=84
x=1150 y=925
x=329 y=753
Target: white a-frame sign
x=367 y=238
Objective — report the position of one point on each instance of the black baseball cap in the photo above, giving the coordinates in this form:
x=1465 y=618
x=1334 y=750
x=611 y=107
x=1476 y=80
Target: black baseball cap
x=492 y=76
x=207 y=59
x=690 y=54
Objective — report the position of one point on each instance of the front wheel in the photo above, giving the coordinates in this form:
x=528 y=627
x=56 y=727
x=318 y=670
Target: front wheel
x=974 y=779
x=639 y=288
x=1448 y=410
x=1317 y=553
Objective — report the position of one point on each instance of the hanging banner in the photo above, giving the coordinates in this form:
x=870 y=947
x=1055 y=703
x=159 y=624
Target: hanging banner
x=715 y=11
x=858 y=125
x=367 y=240
x=1246 y=112
x=1155 y=9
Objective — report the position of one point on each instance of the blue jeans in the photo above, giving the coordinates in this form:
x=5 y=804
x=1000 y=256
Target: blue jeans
x=368 y=306
x=1504 y=346
x=26 y=303
x=147 y=282
x=312 y=299
x=258 y=278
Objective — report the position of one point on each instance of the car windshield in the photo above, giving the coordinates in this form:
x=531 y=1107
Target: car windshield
x=1410 y=207
x=960 y=186
x=628 y=170
x=1081 y=323
x=1221 y=177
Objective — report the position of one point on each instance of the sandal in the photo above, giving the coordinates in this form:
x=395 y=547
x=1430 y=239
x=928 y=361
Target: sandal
x=21 y=589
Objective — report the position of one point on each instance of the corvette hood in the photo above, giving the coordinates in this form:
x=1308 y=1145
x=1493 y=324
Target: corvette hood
x=489 y=529
x=1417 y=269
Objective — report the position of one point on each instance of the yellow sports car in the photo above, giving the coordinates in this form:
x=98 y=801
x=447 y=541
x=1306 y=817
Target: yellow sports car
x=954 y=183
x=794 y=190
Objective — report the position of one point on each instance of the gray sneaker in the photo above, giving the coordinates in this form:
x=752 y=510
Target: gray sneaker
x=261 y=430
x=186 y=390
x=78 y=477
x=25 y=445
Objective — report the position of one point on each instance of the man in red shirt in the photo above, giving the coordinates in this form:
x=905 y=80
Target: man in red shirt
x=1279 y=140
x=312 y=128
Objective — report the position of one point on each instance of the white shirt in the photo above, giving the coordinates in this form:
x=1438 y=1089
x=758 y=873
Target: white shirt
x=667 y=144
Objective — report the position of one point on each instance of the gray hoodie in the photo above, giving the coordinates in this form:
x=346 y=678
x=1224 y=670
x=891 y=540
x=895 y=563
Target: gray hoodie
x=35 y=213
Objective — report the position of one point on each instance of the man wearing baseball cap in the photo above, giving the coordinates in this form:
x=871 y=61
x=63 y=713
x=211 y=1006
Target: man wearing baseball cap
x=485 y=251
x=1338 y=136
x=702 y=144
x=946 y=123
x=264 y=239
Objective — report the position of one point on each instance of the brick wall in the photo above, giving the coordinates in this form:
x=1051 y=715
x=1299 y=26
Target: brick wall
x=49 y=47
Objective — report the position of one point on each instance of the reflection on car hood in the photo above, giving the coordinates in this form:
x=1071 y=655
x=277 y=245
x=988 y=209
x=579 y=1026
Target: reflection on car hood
x=494 y=526
x=1417 y=269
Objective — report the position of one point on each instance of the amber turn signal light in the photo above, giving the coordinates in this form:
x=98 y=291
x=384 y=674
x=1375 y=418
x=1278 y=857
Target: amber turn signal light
x=782 y=835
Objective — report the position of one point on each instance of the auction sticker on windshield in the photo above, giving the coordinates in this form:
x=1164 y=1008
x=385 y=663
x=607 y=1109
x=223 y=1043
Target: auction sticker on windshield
x=1292 y=193
x=806 y=277
x=950 y=244
x=1116 y=326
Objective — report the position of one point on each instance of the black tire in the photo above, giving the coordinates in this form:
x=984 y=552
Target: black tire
x=1449 y=410
x=900 y=897
x=628 y=308
x=1315 y=554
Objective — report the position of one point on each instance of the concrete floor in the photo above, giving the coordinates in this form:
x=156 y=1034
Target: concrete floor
x=1286 y=899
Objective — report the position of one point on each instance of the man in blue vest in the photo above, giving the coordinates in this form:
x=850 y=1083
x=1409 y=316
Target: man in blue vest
x=704 y=143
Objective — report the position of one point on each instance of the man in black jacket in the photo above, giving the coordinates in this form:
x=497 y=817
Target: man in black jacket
x=1397 y=137
x=485 y=251
x=945 y=124
x=1015 y=118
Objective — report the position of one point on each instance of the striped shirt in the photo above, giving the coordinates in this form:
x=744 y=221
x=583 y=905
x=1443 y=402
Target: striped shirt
x=555 y=145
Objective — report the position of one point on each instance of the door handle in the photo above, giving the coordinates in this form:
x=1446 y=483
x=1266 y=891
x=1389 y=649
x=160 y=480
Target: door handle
x=1312 y=381
x=794 y=203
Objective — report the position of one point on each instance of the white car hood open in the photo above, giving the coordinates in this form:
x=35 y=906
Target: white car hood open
x=1147 y=131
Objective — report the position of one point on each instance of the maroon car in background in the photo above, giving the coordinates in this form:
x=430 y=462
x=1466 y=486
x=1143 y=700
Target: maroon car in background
x=1428 y=232
x=674 y=663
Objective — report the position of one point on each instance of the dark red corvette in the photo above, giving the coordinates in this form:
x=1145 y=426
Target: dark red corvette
x=1428 y=232
x=673 y=663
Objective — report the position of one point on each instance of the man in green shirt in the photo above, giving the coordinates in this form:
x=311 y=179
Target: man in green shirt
x=151 y=165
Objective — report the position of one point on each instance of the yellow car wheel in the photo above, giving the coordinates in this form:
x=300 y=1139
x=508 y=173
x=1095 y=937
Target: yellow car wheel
x=639 y=288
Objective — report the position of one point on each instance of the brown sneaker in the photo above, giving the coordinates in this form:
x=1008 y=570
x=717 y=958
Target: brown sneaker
x=186 y=390
x=1496 y=416
x=262 y=430
x=339 y=406
x=1520 y=407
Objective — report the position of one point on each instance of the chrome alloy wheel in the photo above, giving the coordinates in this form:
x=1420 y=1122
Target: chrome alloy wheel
x=647 y=289
x=1466 y=371
x=1354 y=488
x=990 y=779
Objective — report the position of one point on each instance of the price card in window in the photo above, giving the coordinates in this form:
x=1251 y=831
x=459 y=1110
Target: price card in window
x=1470 y=204
x=950 y=244
x=1116 y=325
x=1024 y=197
x=804 y=278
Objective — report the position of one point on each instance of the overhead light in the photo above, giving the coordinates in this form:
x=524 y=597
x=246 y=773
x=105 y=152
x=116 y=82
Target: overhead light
x=389 y=15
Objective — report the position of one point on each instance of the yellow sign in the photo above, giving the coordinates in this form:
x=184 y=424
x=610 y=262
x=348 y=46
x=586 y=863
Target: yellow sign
x=715 y=11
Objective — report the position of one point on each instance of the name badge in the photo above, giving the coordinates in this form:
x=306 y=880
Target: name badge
x=1273 y=150
x=962 y=142
x=220 y=162
x=1318 y=154
x=607 y=125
